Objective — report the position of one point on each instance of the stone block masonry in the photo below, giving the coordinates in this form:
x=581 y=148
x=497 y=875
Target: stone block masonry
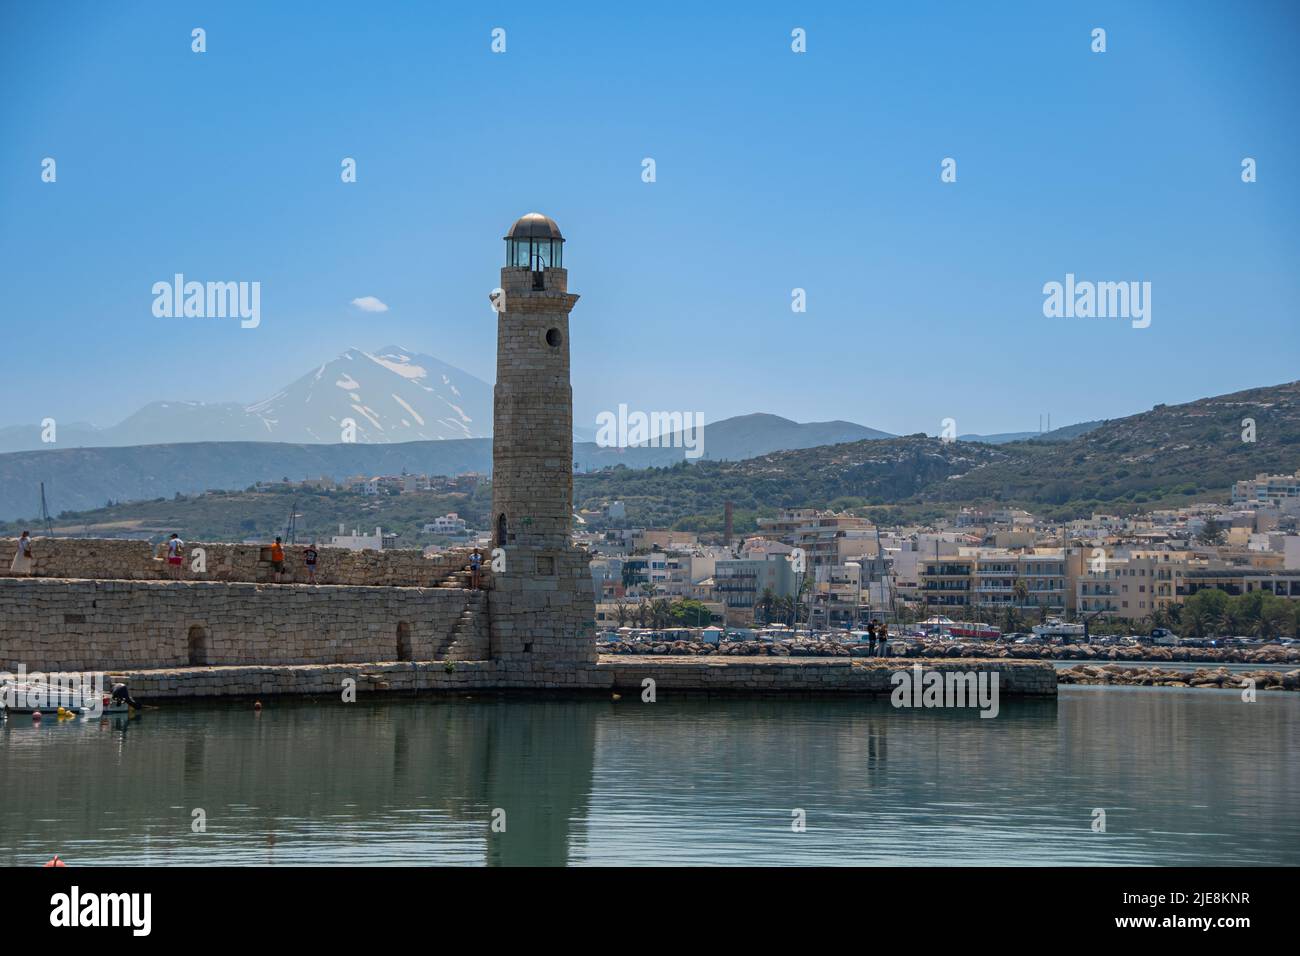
x=672 y=676
x=84 y=625
x=136 y=560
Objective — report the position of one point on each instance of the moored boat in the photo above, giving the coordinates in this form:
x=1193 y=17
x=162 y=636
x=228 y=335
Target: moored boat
x=47 y=697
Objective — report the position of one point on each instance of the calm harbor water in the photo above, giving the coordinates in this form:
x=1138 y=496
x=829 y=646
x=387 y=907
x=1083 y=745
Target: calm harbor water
x=1185 y=777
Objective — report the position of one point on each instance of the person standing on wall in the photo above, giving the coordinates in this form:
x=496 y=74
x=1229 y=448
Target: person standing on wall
x=23 y=563
x=277 y=560
x=175 y=555
x=475 y=568
x=309 y=559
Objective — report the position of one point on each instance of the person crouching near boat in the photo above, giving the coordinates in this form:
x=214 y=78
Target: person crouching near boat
x=23 y=563
x=122 y=695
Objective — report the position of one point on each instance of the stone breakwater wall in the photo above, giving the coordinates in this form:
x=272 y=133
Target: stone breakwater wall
x=51 y=624
x=109 y=558
x=306 y=679
x=671 y=676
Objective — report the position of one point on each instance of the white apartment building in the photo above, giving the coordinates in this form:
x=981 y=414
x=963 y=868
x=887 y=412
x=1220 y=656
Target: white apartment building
x=357 y=541
x=452 y=525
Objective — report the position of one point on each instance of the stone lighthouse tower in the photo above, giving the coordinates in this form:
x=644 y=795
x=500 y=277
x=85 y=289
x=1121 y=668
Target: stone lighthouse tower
x=541 y=609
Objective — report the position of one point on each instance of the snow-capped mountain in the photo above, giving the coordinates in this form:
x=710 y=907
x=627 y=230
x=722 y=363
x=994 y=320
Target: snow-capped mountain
x=393 y=395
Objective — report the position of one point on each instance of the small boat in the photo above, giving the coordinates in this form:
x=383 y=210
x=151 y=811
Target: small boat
x=46 y=697
x=1058 y=632
x=974 y=631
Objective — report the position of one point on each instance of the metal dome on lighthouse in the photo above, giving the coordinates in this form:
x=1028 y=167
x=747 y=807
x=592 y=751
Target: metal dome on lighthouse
x=534 y=242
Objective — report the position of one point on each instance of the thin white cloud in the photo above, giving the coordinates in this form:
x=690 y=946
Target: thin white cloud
x=368 y=303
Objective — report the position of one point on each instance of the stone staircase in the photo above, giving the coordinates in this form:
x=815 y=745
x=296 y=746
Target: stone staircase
x=460 y=579
x=470 y=620
x=456 y=579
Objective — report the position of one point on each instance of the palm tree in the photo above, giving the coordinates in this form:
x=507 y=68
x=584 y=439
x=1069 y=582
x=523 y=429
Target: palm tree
x=765 y=604
x=660 y=612
x=1175 y=615
x=1274 y=616
x=1196 y=621
x=786 y=607
x=1230 y=622
x=621 y=612
x=1020 y=591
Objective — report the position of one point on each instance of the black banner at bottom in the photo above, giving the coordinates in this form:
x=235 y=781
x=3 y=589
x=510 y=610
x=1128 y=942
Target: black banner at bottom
x=123 y=905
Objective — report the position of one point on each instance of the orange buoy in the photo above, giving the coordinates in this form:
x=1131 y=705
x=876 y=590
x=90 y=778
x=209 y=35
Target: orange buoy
x=55 y=862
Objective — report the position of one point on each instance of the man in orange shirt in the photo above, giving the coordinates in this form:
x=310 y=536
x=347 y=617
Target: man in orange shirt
x=277 y=559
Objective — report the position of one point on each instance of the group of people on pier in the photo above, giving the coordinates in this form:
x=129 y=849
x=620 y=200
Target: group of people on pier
x=878 y=638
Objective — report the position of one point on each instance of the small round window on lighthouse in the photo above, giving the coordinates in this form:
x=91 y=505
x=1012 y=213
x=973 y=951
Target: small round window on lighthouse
x=553 y=338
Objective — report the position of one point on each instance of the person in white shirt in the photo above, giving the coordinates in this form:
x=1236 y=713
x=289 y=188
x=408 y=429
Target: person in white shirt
x=175 y=555
x=23 y=562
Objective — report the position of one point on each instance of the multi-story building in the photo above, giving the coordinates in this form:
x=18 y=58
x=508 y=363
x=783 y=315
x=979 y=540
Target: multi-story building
x=741 y=582
x=948 y=581
x=826 y=538
x=993 y=578
x=1266 y=489
x=1135 y=585
x=451 y=525
x=643 y=572
x=1243 y=580
x=686 y=573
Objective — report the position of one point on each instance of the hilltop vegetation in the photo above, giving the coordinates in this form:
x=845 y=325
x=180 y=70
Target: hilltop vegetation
x=262 y=514
x=1169 y=456
x=1166 y=457
x=855 y=475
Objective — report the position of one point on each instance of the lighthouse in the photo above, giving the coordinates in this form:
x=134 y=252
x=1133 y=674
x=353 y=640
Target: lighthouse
x=542 y=607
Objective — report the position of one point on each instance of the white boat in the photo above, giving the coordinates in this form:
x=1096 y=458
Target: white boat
x=1060 y=632
x=45 y=697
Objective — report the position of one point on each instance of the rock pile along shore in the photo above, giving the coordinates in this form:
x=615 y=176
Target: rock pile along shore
x=1219 y=677
x=1271 y=654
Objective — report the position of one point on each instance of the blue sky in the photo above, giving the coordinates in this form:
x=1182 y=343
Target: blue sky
x=774 y=171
